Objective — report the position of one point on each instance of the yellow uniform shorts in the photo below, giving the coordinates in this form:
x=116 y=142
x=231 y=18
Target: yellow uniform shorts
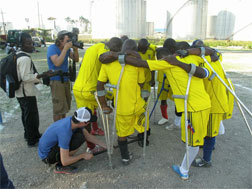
x=147 y=86
x=164 y=94
x=199 y=122
x=213 y=125
x=85 y=99
x=126 y=124
x=61 y=97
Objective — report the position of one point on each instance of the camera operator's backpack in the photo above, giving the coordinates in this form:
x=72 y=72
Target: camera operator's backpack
x=8 y=73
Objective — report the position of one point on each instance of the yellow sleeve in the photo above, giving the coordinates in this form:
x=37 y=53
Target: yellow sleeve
x=141 y=76
x=103 y=76
x=158 y=65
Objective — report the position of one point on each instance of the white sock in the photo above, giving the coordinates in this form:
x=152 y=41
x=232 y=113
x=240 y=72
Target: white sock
x=177 y=121
x=193 y=151
x=221 y=129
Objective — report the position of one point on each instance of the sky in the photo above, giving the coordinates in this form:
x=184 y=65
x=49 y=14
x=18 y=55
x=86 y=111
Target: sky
x=16 y=11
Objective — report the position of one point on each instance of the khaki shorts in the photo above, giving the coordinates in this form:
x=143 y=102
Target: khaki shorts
x=213 y=125
x=127 y=124
x=61 y=97
x=199 y=122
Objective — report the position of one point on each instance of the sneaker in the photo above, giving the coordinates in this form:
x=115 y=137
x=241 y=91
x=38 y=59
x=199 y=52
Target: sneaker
x=176 y=169
x=65 y=169
x=95 y=150
x=127 y=161
x=162 y=121
x=200 y=162
x=98 y=131
x=172 y=126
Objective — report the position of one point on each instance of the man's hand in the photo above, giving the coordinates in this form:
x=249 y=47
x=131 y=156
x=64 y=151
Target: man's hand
x=108 y=57
x=87 y=156
x=106 y=110
x=152 y=82
x=133 y=53
x=68 y=45
x=182 y=53
x=171 y=59
x=214 y=57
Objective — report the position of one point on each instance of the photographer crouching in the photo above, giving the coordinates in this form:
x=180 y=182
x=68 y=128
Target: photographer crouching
x=57 y=59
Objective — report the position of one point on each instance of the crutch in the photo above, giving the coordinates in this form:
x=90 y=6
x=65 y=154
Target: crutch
x=230 y=90
x=106 y=130
x=122 y=62
x=185 y=97
x=145 y=127
x=155 y=98
x=161 y=90
x=239 y=106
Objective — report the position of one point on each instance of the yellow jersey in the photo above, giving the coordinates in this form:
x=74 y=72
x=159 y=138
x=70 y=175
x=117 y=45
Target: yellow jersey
x=86 y=80
x=216 y=90
x=129 y=96
x=150 y=54
x=198 y=99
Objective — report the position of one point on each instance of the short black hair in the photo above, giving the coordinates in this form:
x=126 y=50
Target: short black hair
x=198 y=43
x=129 y=44
x=170 y=44
x=183 y=45
x=162 y=52
x=124 y=38
x=23 y=37
x=74 y=119
x=115 y=44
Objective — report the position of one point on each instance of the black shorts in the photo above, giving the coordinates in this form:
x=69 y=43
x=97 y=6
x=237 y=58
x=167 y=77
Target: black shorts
x=77 y=140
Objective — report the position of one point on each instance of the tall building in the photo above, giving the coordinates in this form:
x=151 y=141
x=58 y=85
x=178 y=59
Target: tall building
x=131 y=18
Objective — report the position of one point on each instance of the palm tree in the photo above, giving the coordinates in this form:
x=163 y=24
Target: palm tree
x=85 y=21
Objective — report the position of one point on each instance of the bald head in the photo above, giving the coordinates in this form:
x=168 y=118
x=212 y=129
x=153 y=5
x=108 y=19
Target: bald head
x=143 y=45
x=129 y=44
x=115 y=44
x=198 y=43
x=170 y=44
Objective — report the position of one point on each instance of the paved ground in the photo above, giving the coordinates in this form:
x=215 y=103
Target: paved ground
x=231 y=158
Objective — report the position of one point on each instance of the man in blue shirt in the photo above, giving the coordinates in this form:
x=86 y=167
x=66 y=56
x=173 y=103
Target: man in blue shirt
x=63 y=138
x=57 y=58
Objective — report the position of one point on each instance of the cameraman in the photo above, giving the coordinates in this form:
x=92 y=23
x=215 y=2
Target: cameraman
x=57 y=58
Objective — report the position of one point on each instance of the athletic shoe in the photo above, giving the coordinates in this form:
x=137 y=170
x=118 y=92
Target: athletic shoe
x=98 y=131
x=172 y=126
x=199 y=162
x=127 y=161
x=176 y=169
x=64 y=169
x=96 y=149
x=162 y=121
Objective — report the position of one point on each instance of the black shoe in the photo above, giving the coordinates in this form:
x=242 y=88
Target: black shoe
x=64 y=169
x=127 y=161
x=141 y=140
x=33 y=143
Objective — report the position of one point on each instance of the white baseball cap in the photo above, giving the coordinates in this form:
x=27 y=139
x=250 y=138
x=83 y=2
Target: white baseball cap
x=84 y=114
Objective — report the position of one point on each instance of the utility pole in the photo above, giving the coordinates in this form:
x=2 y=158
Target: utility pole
x=38 y=14
x=3 y=22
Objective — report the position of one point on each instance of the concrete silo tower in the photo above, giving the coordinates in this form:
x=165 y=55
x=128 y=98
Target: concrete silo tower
x=131 y=18
x=200 y=8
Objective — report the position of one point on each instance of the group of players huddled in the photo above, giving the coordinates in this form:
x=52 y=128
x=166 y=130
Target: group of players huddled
x=208 y=100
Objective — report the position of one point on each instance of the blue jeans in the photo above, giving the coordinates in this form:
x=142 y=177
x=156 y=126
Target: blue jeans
x=209 y=143
x=5 y=181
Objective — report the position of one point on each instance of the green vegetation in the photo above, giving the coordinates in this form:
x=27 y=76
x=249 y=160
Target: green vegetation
x=211 y=43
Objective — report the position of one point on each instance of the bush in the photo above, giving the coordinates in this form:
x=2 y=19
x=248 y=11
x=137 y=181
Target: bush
x=210 y=43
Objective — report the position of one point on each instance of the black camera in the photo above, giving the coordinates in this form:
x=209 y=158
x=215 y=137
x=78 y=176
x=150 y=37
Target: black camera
x=74 y=38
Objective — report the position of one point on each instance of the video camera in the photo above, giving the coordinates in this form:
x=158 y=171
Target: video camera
x=74 y=38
